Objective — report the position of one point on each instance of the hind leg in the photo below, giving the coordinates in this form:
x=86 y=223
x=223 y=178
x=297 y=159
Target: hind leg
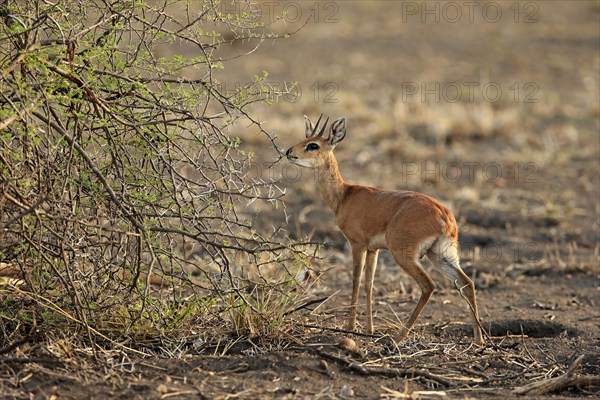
x=464 y=283
x=407 y=260
x=444 y=255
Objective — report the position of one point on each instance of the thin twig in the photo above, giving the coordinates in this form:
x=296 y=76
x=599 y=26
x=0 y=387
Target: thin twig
x=17 y=343
x=305 y=305
x=558 y=383
x=29 y=360
x=384 y=371
x=340 y=330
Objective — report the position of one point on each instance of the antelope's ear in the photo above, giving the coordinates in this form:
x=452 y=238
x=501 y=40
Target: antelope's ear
x=309 y=127
x=338 y=131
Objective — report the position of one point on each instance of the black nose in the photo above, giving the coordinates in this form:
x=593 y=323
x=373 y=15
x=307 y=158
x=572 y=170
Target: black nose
x=288 y=152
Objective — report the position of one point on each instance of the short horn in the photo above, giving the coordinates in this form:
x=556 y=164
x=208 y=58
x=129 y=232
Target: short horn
x=323 y=128
x=316 y=125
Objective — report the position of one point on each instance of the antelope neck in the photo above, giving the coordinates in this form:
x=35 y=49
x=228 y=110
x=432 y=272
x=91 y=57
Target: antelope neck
x=330 y=181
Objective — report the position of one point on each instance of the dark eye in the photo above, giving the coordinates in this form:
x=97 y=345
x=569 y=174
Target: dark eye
x=312 y=146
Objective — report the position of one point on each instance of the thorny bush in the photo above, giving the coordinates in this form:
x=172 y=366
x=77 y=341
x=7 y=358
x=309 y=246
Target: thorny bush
x=125 y=199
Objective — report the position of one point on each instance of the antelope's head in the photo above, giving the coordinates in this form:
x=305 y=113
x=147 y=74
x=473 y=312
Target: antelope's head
x=312 y=151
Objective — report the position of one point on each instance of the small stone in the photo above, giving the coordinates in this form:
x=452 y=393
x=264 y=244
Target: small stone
x=346 y=391
x=162 y=388
x=347 y=343
x=323 y=364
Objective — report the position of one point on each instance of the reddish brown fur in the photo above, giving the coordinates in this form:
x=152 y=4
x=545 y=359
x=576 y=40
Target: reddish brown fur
x=406 y=223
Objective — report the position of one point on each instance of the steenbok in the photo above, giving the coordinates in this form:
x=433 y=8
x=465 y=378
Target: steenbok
x=408 y=224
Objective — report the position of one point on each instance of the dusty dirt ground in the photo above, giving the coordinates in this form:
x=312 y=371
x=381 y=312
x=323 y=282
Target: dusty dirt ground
x=521 y=173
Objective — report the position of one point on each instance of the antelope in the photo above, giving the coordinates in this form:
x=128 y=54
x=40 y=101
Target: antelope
x=409 y=225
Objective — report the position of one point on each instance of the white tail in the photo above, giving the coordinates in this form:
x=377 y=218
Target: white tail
x=408 y=224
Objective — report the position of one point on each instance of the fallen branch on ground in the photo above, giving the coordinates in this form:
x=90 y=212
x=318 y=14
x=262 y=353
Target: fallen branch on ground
x=384 y=371
x=559 y=383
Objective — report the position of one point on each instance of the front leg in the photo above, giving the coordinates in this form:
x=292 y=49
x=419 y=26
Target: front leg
x=358 y=262
x=371 y=265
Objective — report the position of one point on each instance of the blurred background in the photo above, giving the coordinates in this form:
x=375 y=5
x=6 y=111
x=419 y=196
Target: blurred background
x=492 y=107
